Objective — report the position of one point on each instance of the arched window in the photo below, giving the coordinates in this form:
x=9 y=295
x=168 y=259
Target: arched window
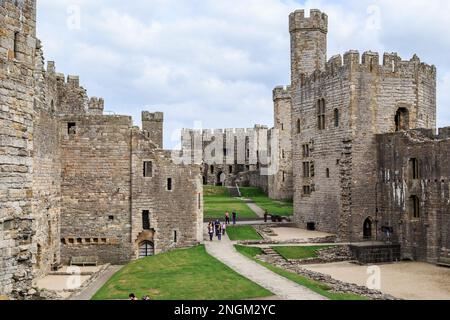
x=402 y=119
x=299 y=126
x=336 y=118
x=367 y=229
x=321 y=114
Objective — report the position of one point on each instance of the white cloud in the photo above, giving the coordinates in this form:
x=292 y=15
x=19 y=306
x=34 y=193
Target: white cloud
x=217 y=61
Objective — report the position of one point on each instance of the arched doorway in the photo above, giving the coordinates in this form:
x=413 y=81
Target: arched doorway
x=220 y=179
x=367 y=229
x=146 y=249
x=402 y=119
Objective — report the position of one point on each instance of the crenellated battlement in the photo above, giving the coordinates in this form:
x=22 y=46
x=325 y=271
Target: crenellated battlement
x=316 y=21
x=282 y=92
x=353 y=61
x=152 y=116
x=96 y=104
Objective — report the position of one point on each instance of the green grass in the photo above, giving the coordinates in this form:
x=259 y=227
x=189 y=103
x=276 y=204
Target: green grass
x=218 y=201
x=299 y=253
x=239 y=233
x=282 y=208
x=186 y=274
x=315 y=286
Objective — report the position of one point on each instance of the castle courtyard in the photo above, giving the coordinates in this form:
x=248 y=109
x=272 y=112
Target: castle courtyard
x=403 y=280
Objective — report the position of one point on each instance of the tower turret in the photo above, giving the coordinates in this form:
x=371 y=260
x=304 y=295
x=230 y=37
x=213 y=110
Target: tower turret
x=152 y=124
x=308 y=43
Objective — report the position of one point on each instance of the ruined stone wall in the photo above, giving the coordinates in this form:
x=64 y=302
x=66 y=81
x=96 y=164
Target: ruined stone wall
x=176 y=212
x=427 y=237
x=17 y=55
x=281 y=184
x=343 y=172
x=96 y=181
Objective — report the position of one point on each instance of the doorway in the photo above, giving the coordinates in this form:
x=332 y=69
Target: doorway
x=146 y=249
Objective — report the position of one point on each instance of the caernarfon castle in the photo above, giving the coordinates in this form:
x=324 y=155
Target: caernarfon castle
x=75 y=182
x=354 y=145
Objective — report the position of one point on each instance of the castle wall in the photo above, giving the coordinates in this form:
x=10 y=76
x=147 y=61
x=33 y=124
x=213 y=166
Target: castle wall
x=96 y=181
x=176 y=213
x=427 y=237
x=17 y=21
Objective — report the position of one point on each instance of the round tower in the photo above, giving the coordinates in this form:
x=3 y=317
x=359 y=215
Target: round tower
x=308 y=43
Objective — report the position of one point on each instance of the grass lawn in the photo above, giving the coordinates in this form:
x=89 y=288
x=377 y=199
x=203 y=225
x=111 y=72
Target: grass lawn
x=282 y=208
x=243 y=233
x=185 y=274
x=299 y=253
x=317 y=287
x=218 y=200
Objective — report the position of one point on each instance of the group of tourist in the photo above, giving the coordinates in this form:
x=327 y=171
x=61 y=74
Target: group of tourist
x=219 y=228
x=133 y=297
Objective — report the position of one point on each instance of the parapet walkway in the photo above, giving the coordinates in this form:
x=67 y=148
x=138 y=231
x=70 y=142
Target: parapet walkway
x=280 y=286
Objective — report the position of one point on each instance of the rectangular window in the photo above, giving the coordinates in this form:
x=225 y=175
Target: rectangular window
x=169 y=184
x=230 y=169
x=175 y=236
x=415 y=207
x=306 y=170
x=148 y=169
x=72 y=128
x=306 y=151
x=146 y=220
x=414 y=169
x=306 y=190
x=284 y=176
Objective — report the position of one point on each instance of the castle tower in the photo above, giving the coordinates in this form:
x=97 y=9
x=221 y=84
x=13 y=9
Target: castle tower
x=153 y=123
x=308 y=42
x=280 y=185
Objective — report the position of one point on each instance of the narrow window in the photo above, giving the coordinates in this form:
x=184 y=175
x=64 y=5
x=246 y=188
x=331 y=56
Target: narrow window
x=336 y=118
x=306 y=170
x=148 y=169
x=248 y=153
x=72 y=128
x=299 y=126
x=306 y=151
x=283 y=154
x=175 y=236
x=321 y=114
x=212 y=169
x=414 y=168
x=146 y=220
x=247 y=168
x=328 y=173
x=111 y=218
x=282 y=127
x=402 y=119
x=16 y=44
x=284 y=176
x=415 y=207
x=199 y=199
x=169 y=184
x=230 y=169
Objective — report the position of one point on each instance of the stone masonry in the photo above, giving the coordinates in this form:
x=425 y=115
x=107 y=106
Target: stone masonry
x=75 y=182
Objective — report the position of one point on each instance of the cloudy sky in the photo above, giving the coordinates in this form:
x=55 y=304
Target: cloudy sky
x=216 y=61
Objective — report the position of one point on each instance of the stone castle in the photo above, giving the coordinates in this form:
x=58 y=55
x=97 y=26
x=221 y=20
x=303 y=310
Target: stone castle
x=354 y=143
x=73 y=181
x=356 y=148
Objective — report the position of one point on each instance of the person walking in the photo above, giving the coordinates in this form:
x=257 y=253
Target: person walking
x=227 y=217
x=211 y=231
x=219 y=232
x=217 y=227
x=224 y=228
x=234 y=214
